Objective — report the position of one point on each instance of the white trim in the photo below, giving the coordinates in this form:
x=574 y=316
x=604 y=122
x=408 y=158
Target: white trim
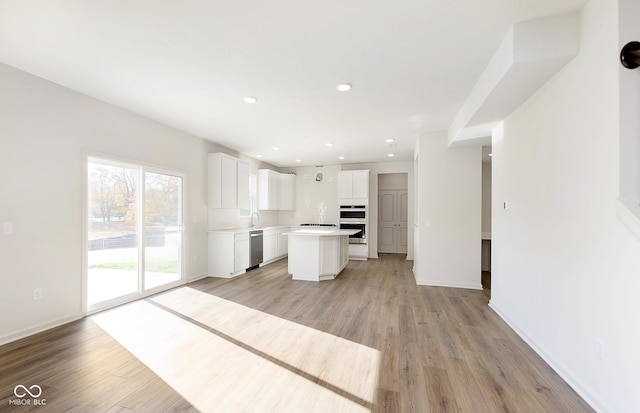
x=629 y=213
x=565 y=373
x=437 y=283
x=197 y=278
x=18 y=335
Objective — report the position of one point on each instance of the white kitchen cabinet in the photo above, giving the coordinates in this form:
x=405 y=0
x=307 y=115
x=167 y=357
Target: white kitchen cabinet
x=275 y=244
x=353 y=187
x=228 y=253
x=287 y=192
x=228 y=182
x=268 y=189
x=270 y=246
x=276 y=191
x=243 y=185
x=283 y=242
x=317 y=257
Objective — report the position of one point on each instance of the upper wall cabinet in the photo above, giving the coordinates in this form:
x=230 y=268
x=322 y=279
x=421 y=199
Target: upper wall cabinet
x=288 y=192
x=276 y=191
x=268 y=189
x=228 y=182
x=354 y=185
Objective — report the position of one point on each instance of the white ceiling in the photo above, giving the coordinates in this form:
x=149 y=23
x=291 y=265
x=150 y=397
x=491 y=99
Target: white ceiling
x=189 y=63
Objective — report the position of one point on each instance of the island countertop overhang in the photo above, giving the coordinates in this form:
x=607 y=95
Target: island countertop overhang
x=322 y=232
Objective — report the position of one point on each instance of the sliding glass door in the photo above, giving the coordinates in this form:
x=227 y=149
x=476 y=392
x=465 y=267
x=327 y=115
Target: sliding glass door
x=134 y=231
x=162 y=229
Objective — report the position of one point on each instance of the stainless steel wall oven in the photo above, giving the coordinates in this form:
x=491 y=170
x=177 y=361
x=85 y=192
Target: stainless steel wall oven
x=354 y=217
x=359 y=237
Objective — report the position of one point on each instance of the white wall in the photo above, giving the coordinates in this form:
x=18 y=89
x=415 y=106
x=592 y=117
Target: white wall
x=392 y=181
x=375 y=170
x=449 y=227
x=316 y=202
x=45 y=130
x=486 y=197
x=565 y=270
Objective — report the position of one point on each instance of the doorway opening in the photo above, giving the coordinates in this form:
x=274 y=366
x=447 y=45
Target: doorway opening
x=393 y=213
x=134 y=232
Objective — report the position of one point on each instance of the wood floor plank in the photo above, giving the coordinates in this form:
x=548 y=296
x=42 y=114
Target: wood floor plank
x=408 y=348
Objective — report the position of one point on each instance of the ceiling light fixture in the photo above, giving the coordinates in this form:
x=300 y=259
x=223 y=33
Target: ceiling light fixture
x=390 y=140
x=391 y=155
x=328 y=144
x=258 y=156
x=298 y=160
x=275 y=148
x=490 y=154
x=250 y=99
x=344 y=87
x=341 y=157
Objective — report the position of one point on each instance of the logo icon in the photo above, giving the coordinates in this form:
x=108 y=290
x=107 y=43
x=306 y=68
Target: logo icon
x=21 y=391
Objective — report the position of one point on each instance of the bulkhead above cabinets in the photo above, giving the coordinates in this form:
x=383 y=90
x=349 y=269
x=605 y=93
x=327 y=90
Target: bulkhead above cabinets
x=276 y=191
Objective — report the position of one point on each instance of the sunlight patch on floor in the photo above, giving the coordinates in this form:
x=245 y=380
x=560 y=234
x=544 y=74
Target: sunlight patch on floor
x=222 y=356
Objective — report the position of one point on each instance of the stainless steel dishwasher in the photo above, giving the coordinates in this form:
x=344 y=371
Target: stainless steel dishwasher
x=255 y=248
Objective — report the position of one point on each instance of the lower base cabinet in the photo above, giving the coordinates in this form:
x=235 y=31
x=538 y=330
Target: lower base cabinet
x=228 y=254
x=317 y=258
x=275 y=244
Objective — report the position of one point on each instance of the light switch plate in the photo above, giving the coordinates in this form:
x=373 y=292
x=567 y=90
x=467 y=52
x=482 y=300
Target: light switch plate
x=7 y=228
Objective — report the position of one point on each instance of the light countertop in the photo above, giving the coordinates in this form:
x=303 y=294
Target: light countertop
x=323 y=232
x=247 y=229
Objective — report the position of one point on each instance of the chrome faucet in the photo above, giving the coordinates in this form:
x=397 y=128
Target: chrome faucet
x=256 y=214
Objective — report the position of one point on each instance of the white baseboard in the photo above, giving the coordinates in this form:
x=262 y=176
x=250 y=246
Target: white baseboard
x=17 y=335
x=567 y=375
x=441 y=283
x=197 y=277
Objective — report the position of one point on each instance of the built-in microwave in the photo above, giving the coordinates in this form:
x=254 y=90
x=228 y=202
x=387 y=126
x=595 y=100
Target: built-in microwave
x=353 y=212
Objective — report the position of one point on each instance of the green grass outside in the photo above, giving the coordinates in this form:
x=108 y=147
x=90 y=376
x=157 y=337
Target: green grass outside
x=153 y=266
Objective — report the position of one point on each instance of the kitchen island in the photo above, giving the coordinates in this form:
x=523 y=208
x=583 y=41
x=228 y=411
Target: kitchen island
x=318 y=254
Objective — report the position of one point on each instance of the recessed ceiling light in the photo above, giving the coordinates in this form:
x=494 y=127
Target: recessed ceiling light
x=344 y=87
x=275 y=148
x=250 y=99
x=258 y=156
x=328 y=144
x=298 y=160
x=389 y=140
x=391 y=155
x=341 y=157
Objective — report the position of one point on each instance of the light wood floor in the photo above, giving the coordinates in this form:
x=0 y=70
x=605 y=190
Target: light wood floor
x=259 y=343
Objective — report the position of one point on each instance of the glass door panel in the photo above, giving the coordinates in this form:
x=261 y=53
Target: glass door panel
x=112 y=232
x=162 y=229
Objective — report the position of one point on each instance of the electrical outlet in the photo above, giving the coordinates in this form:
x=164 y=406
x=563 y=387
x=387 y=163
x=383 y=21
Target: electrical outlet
x=600 y=349
x=37 y=294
